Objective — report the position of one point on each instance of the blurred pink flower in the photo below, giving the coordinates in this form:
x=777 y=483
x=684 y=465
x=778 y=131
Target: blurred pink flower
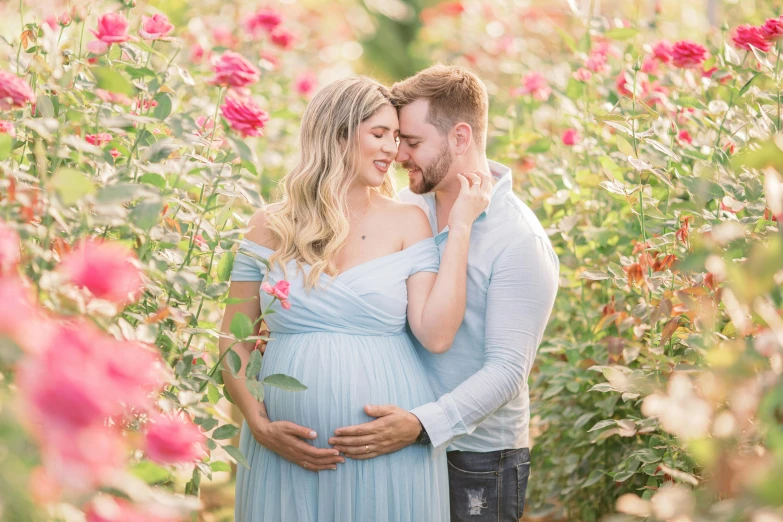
x=224 y=37
x=156 y=27
x=98 y=139
x=10 y=246
x=115 y=153
x=747 y=35
x=535 y=85
x=64 y=19
x=244 y=116
x=582 y=75
x=650 y=65
x=22 y=320
x=280 y=290
x=596 y=63
x=105 y=269
x=14 y=91
x=571 y=137
x=263 y=20
x=113 y=509
x=305 y=83
x=282 y=38
x=173 y=439
x=98 y=47
x=206 y=127
x=234 y=70
x=112 y=28
x=43 y=489
x=688 y=55
x=51 y=21
x=662 y=51
x=772 y=29
x=7 y=127
x=286 y=305
x=113 y=97
x=197 y=53
x=684 y=137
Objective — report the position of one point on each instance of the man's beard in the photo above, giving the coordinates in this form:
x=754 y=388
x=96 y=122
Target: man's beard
x=432 y=174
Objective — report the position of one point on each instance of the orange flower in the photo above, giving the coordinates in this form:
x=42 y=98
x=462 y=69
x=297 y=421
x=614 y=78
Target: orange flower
x=682 y=233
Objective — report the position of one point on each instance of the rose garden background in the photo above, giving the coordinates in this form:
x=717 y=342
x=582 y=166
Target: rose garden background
x=136 y=140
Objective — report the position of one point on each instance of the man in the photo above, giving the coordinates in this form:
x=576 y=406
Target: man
x=482 y=414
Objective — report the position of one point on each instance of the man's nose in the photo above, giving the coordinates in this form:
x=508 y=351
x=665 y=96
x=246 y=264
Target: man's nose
x=402 y=154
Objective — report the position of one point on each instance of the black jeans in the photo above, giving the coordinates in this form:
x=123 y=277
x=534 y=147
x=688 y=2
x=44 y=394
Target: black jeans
x=486 y=487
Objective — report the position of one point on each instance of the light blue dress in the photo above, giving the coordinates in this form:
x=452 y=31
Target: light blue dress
x=345 y=341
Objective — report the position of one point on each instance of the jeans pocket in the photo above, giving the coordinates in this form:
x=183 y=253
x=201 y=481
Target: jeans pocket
x=473 y=495
x=523 y=473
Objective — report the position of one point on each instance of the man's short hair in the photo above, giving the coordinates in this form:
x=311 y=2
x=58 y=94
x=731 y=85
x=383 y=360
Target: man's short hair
x=455 y=95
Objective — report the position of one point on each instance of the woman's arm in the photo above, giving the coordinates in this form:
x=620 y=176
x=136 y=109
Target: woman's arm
x=436 y=304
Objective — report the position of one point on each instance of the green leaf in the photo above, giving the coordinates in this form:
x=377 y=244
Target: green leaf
x=154 y=179
x=163 y=108
x=542 y=145
x=623 y=476
x=236 y=455
x=602 y=424
x=71 y=185
x=145 y=215
x=594 y=275
x=234 y=363
x=44 y=106
x=225 y=432
x=241 y=326
x=139 y=72
x=747 y=85
x=111 y=80
x=575 y=89
x=213 y=394
x=150 y=472
x=663 y=148
x=160 y=150
x=253 y=365
x=624 y=146
x=6 y=146
x=242 y=150
x=225 y=265
x=219 y=465
x=646 y=455
x=621 y=33
x=284 y=382
x=256 y=389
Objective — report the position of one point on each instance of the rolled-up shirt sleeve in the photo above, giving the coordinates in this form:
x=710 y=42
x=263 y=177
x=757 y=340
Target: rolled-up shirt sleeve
x=520 y=297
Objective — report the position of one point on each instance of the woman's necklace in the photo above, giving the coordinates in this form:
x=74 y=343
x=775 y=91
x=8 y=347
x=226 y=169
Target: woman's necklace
x=361 y=219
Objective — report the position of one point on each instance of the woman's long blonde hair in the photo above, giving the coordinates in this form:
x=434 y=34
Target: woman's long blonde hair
x=311 y=223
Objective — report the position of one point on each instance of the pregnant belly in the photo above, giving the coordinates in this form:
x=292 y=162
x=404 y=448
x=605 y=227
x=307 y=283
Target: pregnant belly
x=343 y=373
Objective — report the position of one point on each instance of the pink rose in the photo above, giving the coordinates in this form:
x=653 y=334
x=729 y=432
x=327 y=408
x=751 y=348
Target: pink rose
x=662 y=51
x=105 y=269
x=112 y=28
x=224 y=37
x=98 y=139
x=156 y=27
x=282 y=38
x=10 y=246
x=286 y=305
x=14 y=91
x=97 y=47
x=688 y=55
x=582 y=75
x=234 y=70
x=22 y=320
x=115 y=153
x=64 y=19
x=267 y=288
x=244 y=116
x=113 y=509
x=113 y=97
x=596 y=63
x=7 y=127
x=571 y=137
x=772 y=29
x=281 y=290
x=746 y=35
x=684 y=137
x=173 y=439
x=305 y=83
x=650 y=65
x=535 y=85
x=264 y=19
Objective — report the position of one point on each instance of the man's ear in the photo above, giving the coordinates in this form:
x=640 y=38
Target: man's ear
x=463 y=134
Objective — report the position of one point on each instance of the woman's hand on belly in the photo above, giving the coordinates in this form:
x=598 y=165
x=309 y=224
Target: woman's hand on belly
x=288 y=440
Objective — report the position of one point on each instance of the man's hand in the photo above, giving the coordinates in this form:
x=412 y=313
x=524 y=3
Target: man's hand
x=285 y=439
x=392 y=430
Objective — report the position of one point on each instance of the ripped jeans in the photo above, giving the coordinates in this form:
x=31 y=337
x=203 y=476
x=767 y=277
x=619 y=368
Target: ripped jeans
x=488 y=487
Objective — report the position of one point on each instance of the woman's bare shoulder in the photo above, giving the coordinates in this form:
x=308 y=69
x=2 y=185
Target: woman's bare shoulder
x=408 y=220
x=259 y=231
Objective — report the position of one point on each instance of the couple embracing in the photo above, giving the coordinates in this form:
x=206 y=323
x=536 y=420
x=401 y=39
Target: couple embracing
x=413 y=319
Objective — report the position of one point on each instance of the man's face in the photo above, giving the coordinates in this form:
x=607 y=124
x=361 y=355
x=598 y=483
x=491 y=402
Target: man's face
x=423 y=151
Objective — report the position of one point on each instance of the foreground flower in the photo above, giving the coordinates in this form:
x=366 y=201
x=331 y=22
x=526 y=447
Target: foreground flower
x=663 y=51
x=747 y=35
x=582 y=75
x=105 y=269
x=9 y=249
x=112 y=28
x=282 y=38
x=234 y=70
x=305 y=83
x=173 y=439
x=571 y=137
x=14 y=91
x=772 y=29
x=113 y=509
x=156 y=27
x=244 y=116
x=681 y=412
x=265 y=20
x=7 y=127
x=688 y=55
x=684 y=137
x=98 y=139
x=536 y=86
x=22 y=320
x=113 y=97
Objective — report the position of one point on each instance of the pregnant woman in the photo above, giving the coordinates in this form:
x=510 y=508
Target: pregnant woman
x=360 y=264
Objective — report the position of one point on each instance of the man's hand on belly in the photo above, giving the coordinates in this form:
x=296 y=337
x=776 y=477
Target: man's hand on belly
x=285 y=439
x=392 y=430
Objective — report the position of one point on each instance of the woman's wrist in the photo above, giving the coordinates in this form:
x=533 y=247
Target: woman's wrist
x=259 y=424
x=459 y=230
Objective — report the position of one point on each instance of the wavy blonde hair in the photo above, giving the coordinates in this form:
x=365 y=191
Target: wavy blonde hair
x=311 y=223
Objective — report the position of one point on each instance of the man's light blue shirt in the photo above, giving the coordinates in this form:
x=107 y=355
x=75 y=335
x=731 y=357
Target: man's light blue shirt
x=481 y=382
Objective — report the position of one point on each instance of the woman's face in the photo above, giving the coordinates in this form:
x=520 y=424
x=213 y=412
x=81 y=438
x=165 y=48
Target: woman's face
x=378 y=137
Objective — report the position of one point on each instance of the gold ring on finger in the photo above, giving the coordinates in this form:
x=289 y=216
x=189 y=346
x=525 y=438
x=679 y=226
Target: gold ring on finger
x=367 y=448
x=305 y=465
